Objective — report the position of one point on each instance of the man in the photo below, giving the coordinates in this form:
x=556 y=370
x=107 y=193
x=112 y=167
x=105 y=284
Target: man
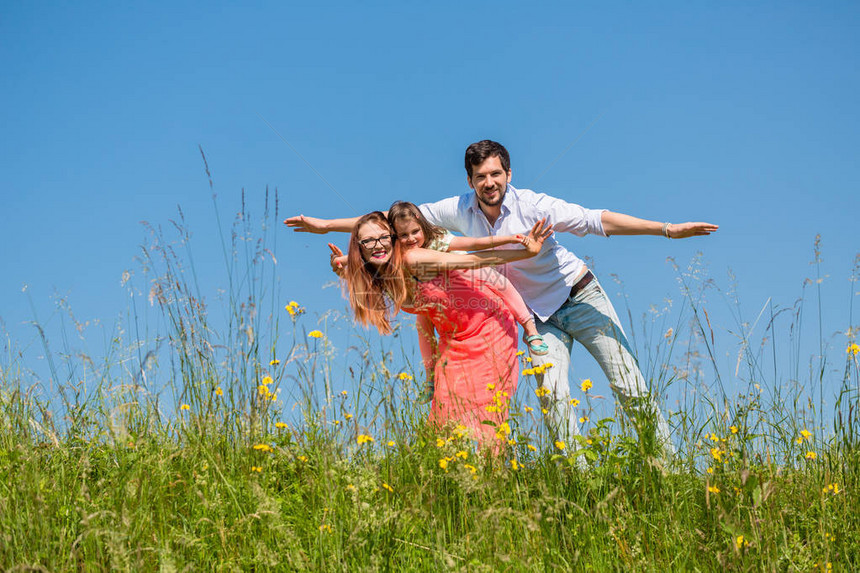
x=556 y=284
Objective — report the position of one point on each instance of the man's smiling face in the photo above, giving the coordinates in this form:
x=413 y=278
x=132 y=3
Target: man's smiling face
x=490 y=180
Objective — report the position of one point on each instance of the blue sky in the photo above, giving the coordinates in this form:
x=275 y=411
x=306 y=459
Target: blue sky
x=742 y=114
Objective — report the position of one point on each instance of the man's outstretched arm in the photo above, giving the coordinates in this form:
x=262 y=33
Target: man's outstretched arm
x=621 y=224
x=303 y=224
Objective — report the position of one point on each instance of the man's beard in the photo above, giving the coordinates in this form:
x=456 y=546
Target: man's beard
x=497 y=201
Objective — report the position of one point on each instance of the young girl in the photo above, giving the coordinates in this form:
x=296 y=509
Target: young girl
x=413 y=231
x=474 y=361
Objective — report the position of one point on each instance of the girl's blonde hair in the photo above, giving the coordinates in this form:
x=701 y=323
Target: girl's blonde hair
x=370 y=285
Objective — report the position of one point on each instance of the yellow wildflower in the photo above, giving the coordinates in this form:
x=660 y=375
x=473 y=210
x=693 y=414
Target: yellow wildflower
x=440 y=442
x=185 y=407
x=669 y=333
x=293 y=308
x=302 y=458
x=404 y=376
x=799 y=440
x=560 y=445
x=710 y=470
x=264 y=390
x=503 y=431
x=717 y=454
x=462 y=454
x=219 y=391
x=573 y=402
x=471 y=468
x=528 y=359
x=541 y=391
x=853 y=349
x=274 y=362
x=811 y=455
x=514 y=465
x=326 y=528
x=520 y=352
x=528 y=371
x=713 y=489
x=583 y=420
x=741 y=542
x=263 y=447
x=528 y=409
x=443 y=463
x=531 y=448
x=491 y=387
x=586 y=385
x=315 y=334
x=388 y=487
x=257 y=469
x=544 y=411
x=349 y=487
x=390 y=443
x=280 y=425
x=734 y=429
x=364 y=439
x=348 y=416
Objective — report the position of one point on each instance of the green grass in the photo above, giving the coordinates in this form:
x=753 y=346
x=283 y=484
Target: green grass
x=120 y=476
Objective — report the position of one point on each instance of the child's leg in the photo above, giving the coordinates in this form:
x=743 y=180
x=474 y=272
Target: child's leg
x=500 y=285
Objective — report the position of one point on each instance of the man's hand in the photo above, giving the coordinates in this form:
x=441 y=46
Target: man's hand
x=338 y=260
x=302 y=224
x=684 y=230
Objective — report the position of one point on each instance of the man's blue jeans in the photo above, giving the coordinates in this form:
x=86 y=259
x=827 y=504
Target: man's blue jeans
x=590 y=319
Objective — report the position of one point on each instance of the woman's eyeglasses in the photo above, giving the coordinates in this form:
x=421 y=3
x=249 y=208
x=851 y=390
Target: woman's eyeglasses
x=384 y=240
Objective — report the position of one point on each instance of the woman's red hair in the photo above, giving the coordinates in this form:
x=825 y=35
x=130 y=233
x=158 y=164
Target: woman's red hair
x=370 y=285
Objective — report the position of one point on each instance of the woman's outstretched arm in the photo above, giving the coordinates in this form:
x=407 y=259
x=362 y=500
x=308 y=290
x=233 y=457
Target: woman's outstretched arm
x=303 y=224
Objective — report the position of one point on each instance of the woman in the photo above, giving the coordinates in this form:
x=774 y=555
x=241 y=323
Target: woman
x=474 y=364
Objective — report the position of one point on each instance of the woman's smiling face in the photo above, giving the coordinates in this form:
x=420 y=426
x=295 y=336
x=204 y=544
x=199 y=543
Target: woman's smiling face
x=409 y=234
x=375 y=242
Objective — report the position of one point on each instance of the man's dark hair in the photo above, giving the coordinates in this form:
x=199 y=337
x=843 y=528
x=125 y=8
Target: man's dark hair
x=479 y=152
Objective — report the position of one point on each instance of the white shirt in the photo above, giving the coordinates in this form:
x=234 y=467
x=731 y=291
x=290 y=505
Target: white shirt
x=544 y=280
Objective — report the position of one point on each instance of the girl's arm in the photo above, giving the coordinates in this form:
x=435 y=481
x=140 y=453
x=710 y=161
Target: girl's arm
x=424 y=260
x=482 y=243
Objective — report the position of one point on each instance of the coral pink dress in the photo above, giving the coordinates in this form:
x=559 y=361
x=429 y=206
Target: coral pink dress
x=477 y=349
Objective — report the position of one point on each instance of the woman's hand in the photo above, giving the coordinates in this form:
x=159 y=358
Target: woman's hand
x=533 y=242
x=338 y=260
x=302 y=224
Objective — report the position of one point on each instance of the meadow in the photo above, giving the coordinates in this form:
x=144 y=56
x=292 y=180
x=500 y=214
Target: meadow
x=196 y=443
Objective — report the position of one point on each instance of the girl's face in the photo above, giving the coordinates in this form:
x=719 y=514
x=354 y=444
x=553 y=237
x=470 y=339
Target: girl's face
x=375 y=242
x=409 y=234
